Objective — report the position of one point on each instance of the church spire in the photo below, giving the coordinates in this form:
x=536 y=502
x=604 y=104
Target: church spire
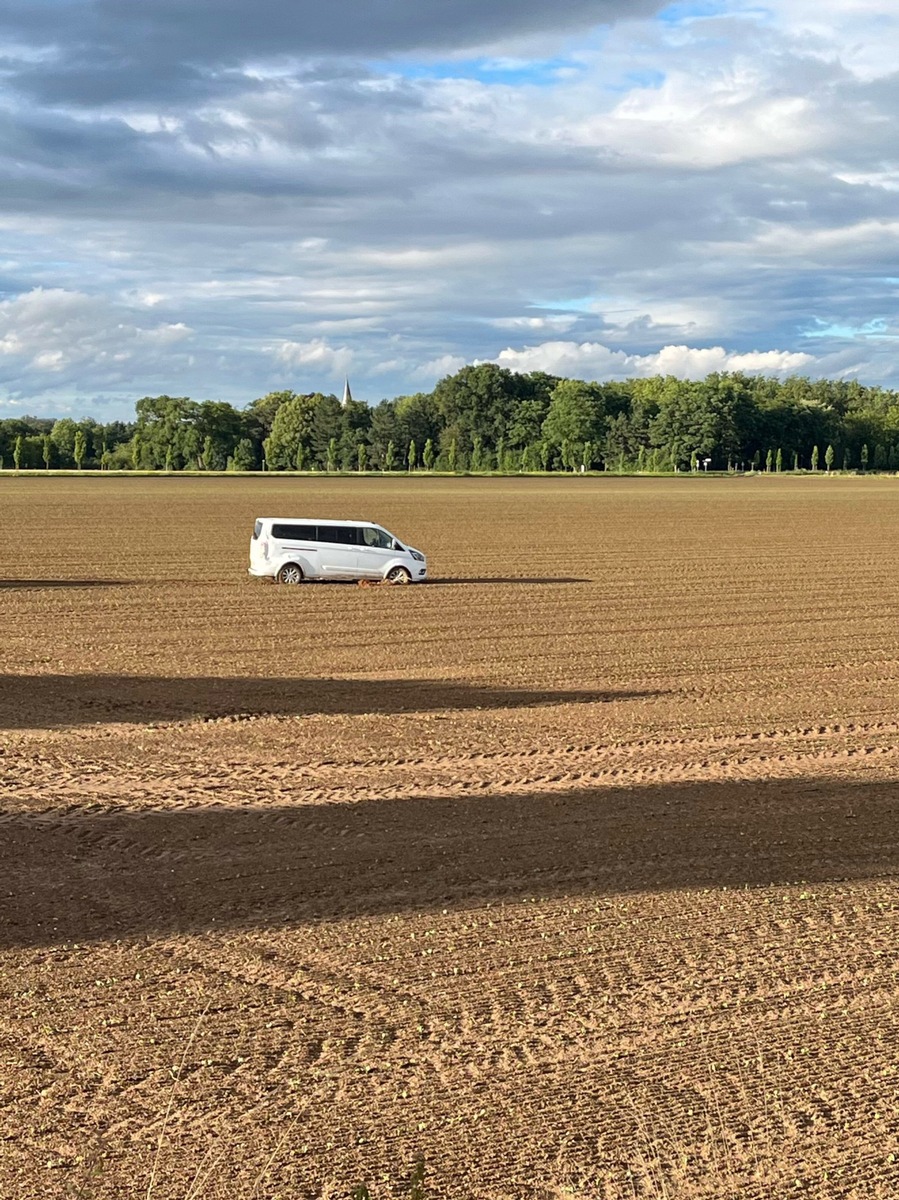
x=347 y=394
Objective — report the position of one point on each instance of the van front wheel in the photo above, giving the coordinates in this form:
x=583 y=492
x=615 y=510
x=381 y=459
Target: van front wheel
x=399 y=575
x=290 y=573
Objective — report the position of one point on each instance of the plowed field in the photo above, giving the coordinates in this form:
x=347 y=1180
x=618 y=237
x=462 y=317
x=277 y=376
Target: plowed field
x=570 y=873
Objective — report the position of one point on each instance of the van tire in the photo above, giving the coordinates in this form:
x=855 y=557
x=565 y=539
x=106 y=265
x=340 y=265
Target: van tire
x=399 y=575
x=290 y=573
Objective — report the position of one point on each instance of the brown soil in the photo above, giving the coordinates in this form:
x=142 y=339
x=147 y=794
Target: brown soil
x=572 y=872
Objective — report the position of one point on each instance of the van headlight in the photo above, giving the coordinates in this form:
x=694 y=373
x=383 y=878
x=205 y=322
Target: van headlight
x=417 y=555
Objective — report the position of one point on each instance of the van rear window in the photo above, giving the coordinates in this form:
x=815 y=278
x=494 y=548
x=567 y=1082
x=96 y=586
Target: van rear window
x=257 y=529
x=294 y=533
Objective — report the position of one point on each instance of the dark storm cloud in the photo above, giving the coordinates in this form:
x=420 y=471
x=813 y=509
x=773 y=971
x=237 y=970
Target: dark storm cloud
x=109 y=50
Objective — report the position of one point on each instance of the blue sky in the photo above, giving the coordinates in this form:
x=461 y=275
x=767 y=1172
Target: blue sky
x=224 y=198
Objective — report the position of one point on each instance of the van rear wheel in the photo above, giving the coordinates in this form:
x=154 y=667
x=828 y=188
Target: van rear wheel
x=399 y=575
x=290 y=573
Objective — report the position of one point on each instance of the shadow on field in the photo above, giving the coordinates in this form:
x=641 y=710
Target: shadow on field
x=7 y=585
x=142 y=874
x=44 y=701
x=452 y=582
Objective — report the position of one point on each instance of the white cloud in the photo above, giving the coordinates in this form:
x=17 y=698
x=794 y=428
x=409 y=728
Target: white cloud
x=437 y=368
x=316 y=355
x=560 y=324
x=592 y=360
x=70 y=334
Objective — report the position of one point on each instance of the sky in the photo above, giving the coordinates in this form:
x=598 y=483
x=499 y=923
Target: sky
x=222 y=198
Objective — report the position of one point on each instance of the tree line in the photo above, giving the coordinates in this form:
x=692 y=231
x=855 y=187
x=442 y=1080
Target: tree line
x=487 y=418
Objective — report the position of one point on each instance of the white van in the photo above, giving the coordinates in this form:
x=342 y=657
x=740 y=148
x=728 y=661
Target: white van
x=291 y=549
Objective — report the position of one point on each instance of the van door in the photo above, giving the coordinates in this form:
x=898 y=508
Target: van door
x=338 y=551
x=375 y=551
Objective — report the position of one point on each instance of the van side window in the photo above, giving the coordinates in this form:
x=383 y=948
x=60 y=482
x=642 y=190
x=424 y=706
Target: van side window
x=345 y=535
x=294 y=533
x=377 y=537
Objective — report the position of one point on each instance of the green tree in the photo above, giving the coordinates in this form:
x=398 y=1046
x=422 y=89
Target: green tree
x=477 y=402
x=327 y=427
x=576 y=415
x=259 y=417
x=452 y=457
x=63 y=436
x=417 y=419
x=244 y=457
x=80 y=448
x=382 y=430
x=219 y=429
x=411 y=457
x=779 y=460
x=291 y=429
x=390 y=457
x=714 y=418
x=814 y=458
x=829 y=456
x=864 y=457
x=427 y=456
x=769 y=460
x=18 y=450
x=299 y=459
x=361 y=457
x=47 y=450
x=168 y=427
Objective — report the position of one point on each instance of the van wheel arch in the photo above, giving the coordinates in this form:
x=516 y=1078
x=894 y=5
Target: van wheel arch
x=290 y=573
x=399 y=575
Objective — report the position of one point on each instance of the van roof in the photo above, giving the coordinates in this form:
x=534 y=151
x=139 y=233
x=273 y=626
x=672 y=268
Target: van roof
x=313 y=521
